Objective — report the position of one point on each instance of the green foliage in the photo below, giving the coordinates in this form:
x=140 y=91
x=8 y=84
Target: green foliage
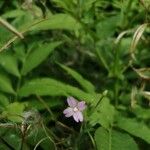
x=47 y=86
x=36 y=56
x=104 y=30
x=14 y=112
x=13 y=140
x=3 y=102
x=141 y=112
x=113 y=140
x=135 y=128
x=51 y=102
x=86 y=85
x=40 y=139
x=103 y=114
x=57 y=22
x=95 y=51
x=9 y=63
x=5 y=84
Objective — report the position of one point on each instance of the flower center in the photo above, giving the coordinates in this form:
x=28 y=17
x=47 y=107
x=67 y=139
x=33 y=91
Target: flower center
x=75 y=109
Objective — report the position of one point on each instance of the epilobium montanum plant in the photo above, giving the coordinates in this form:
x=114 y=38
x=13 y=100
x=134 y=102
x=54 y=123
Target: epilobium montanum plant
x=75 y=109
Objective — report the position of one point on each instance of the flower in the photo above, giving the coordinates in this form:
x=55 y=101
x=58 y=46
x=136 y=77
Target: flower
x=75 y=109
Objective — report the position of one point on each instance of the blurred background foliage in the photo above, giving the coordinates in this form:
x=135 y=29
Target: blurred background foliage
x=94 y=50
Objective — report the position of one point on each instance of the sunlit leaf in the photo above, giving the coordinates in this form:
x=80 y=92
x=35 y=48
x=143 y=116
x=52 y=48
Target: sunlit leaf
x=14 y=111
x=58 y=21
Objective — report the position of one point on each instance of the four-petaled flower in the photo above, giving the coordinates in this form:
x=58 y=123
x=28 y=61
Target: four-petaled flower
x=75 y=109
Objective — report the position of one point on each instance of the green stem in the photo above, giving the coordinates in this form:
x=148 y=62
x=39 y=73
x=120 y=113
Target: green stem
x=45 y=105
x=103 y=95
x=125 y=13
x=92 y=140
x=101 y=58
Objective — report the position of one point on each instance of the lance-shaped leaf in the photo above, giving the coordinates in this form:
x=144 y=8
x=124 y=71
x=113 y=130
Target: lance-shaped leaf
x=9 y=63
x=10 y=28
x=37 y=56
x=5 y=84
x=4 y=101
x=58 y=21
x=85 y=84
x=51 y=87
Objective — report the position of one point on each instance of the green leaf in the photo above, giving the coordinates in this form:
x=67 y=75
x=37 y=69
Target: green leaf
x=65 y=4
x=58 y=21
x=14 y=13
x=4 y=101
x=37 y=56
x=141 y=112
x=42 y=87
x=104 y=29
x=51 y=87
x=103 y=114
x=85 y=84
x=12 y=138
x=14 y=111
x=50 y=102
x=5 y=84
x=11 y=28
x=74 y=91
x=3 y=146
x=114 y=140
x=9 y=63
x=43 y=136
x=87 y=4
x=135 y=128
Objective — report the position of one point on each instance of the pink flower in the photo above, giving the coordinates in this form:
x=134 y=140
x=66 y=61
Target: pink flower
x=75 y=109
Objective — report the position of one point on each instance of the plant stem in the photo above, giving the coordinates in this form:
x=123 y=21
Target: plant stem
x=48 y=109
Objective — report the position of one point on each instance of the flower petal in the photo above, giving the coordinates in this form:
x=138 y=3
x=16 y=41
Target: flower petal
x=78 y=116
x=72 y=102
x=68 y=112
x=81 y=105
